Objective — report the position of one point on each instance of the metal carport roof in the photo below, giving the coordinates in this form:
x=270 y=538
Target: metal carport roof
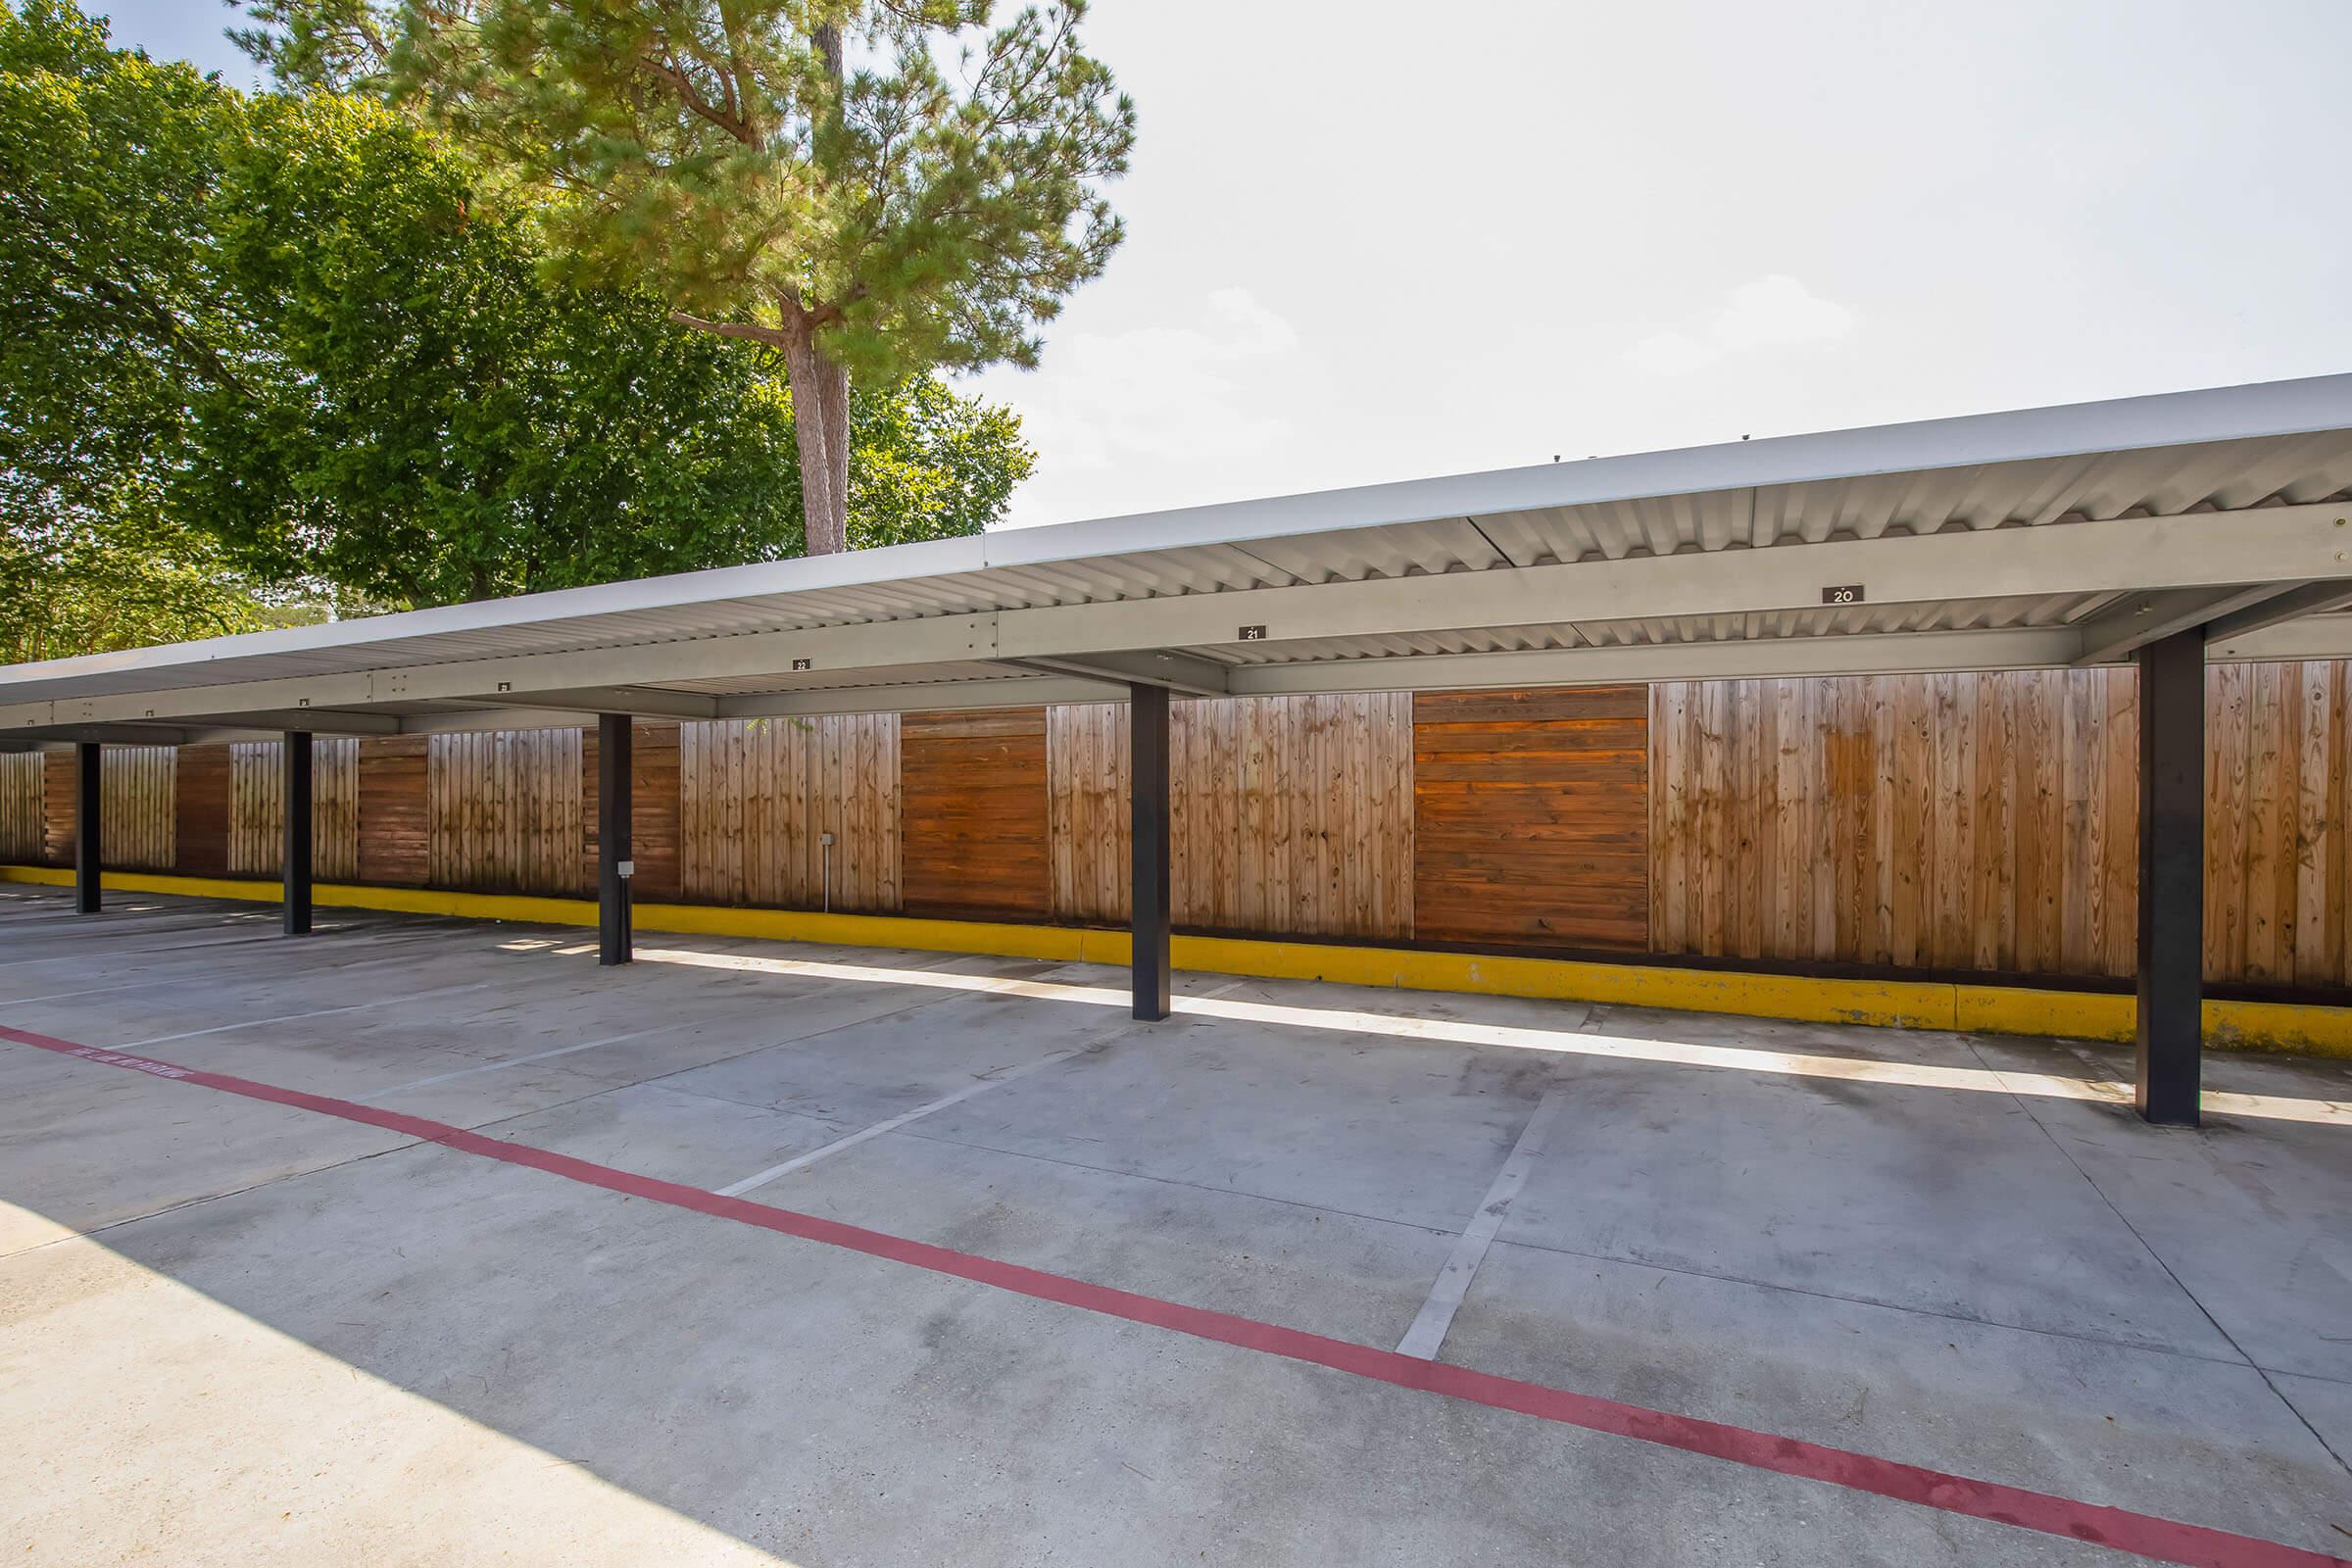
x=2045 y=537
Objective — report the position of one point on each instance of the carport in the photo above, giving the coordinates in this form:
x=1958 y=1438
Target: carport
x=2161 y=532
x=832 y=1248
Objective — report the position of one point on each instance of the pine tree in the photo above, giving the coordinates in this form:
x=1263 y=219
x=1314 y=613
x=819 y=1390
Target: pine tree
x=802 y=173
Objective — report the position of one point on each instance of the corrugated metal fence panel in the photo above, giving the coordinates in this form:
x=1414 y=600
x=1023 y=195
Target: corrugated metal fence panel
x=757 y=796
x=1970 y=821
x=22 y=826
x=505 y=812
x=257 y=816
x=1288 y=814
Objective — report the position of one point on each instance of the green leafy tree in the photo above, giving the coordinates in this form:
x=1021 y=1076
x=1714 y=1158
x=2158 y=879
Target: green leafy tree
x=108 y=323
x=799 y=173
x=282 y=341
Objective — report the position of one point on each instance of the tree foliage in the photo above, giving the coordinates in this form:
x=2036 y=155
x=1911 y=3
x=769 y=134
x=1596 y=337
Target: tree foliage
x=801 y=173
x=107 y=322
x=284 y=341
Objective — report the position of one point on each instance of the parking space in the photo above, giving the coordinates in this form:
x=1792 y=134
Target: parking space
x=242 y=1325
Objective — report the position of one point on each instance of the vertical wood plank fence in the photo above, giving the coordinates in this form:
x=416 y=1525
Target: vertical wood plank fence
x=257 y=808
x=505 y=811
x=1287 y=813
x=21 y=807
x=1968 y=822
x=135 y=789
x=757 y=797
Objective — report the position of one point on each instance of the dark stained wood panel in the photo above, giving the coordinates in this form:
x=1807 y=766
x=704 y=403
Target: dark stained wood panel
x=203 y=807
x=654 y=819
x=394 y=827
x=654 y=809
x=1531 y=818
x=57 y=805
x=973 y=829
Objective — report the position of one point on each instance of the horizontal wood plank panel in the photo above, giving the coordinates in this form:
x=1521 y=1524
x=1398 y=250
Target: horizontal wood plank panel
x=395 y=823
x=973 y=803
x=1532 y=817
x=57 y=805
x=654 y=828
x=201 y=804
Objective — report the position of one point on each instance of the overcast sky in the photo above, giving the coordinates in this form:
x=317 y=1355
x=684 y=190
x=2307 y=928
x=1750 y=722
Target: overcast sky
x=1381 y=241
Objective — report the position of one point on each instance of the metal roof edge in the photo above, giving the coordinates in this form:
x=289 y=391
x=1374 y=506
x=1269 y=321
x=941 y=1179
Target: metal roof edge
x=2172 y=419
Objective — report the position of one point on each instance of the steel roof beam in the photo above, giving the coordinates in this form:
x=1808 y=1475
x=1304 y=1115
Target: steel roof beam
x=2152 y=618
x=922 y=696
x=642 y=701
x=2124 y=554
x=1881 y=653
x=1189 y=673
x=2296 y=603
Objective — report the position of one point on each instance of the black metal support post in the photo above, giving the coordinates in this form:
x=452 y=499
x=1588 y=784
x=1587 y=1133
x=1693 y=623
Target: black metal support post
x=614 y=734
x=2171 y=876
x=86 y=827
x=1148 y=793
x=296 y=860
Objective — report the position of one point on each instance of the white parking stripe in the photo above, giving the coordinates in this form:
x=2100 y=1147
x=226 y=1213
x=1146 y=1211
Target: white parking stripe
x=802 y=1163
x=93 y=990
x=537 y=1055
x=291 y=1017
x=1436 y=1316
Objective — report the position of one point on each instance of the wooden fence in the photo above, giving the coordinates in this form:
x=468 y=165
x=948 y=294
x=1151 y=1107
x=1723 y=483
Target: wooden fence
x=1976 y=821
x=1533 y=828
x=756 y=798
x=2279 y=751
x=1286 y=813
x=21 y=809
x=506 y=811
x=135 y=803
x=257 y=808
x=1980 y=822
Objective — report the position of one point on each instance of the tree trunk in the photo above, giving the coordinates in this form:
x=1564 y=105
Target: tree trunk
x=821 y=417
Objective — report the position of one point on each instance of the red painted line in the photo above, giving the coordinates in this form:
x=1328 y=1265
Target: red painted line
x=2163 y=1540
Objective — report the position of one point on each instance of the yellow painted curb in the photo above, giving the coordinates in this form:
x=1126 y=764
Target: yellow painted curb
x=2297 y=1026
x=1900 y=1004
x=1062 y=944
x=2014 y=1011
